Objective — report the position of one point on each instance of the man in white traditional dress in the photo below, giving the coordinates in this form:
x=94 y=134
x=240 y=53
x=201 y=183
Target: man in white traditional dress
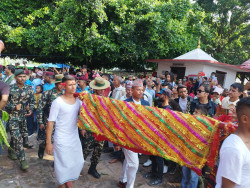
x=67 y=149
x=131 y=162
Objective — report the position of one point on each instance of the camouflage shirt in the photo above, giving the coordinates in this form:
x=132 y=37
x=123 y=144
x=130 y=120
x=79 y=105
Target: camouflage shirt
x=44 y=105
x=23 y=96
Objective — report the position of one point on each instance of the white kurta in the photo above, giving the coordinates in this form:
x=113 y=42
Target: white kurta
x=130 y=165
x=68 y=156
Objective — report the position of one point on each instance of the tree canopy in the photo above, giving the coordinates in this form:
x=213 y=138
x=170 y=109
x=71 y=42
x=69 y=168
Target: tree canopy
x=228 y=21
x=122 y=33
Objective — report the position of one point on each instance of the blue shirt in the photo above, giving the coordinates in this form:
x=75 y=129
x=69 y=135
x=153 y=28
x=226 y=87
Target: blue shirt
x=151 y=92
x=28 y=82
x=3 y=75
x=36 y=82
x=48 y=86
x=79 y=90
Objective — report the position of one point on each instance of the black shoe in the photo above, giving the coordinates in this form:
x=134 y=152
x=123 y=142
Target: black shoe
x=149 y=175
x=122 y=185
x=176 y=179
x=155 y=182
x=92 y=171
x=108 y=150
x=26 y=143
x=41 y=151
x=172 y=171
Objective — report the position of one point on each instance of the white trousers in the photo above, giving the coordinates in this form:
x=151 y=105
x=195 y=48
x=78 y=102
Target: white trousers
x=130 y=167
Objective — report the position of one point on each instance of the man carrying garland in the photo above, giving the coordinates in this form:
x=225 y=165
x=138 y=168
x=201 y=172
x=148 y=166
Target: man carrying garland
x=131 y=162
x=88 y=141
x=67 y=150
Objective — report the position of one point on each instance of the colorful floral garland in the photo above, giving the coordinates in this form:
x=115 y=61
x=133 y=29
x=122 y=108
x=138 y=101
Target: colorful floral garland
x=3 y=134
x=192 y=141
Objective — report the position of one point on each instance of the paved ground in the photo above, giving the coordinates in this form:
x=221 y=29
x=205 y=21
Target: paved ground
x=41 y=173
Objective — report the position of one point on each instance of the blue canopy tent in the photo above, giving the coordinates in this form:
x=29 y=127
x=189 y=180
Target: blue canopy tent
x=62 y=65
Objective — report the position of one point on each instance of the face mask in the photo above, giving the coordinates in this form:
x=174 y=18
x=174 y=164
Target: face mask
x=213 y=76
x=184 y=80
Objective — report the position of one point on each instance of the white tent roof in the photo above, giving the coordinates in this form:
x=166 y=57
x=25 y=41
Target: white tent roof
x=196 y=54
x=246 y=63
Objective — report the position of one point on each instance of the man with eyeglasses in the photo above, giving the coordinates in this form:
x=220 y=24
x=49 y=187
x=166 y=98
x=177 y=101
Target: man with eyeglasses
x=203 y=95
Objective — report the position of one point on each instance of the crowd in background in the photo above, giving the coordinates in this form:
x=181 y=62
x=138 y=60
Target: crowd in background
x=199 y=95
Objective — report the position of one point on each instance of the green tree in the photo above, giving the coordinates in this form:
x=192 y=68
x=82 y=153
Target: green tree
x=229 y=26
x=110 y=33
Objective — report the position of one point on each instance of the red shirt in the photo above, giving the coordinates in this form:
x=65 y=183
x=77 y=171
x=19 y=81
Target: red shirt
x=107 y=91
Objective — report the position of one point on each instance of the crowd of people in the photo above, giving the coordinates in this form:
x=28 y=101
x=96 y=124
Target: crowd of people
x=44 y=103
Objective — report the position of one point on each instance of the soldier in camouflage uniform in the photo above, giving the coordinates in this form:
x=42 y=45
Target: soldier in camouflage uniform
x=88 y=141
x=20 y=104
x=90 y=144
x=43 y=110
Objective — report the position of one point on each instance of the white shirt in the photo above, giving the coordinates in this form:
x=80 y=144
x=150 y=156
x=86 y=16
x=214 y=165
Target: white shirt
x=12 y=82
x=136 y=101
x=118 y=93
x=226 y=104
x=148 y=97
x=183 y=104
x=151 y=91
x=234 y=162
x=123 y=98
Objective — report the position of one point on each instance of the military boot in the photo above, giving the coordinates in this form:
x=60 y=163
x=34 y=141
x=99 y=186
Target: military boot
x=92 y=171
x=12 y=155
x=24 y=165
x=26 y=143
x=41 y=150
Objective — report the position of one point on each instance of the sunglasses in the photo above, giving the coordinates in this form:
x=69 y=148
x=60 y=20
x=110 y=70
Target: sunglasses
x=200 y=91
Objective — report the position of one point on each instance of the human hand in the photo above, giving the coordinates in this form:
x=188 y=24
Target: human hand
x=49 y=148
x=29 y=113
x=41 y=127
x=232 y=110
x=158 y=81
x=83 y=132
x=18 y=107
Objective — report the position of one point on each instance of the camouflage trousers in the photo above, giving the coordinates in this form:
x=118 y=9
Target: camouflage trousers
x=18 y=130
x=41 y=137
x=90 y=144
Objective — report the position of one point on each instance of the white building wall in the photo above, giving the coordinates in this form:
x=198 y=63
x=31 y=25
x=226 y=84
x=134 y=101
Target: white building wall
x=229 y=78
x=191 y=68
x=194 y=68
x=163 y=67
